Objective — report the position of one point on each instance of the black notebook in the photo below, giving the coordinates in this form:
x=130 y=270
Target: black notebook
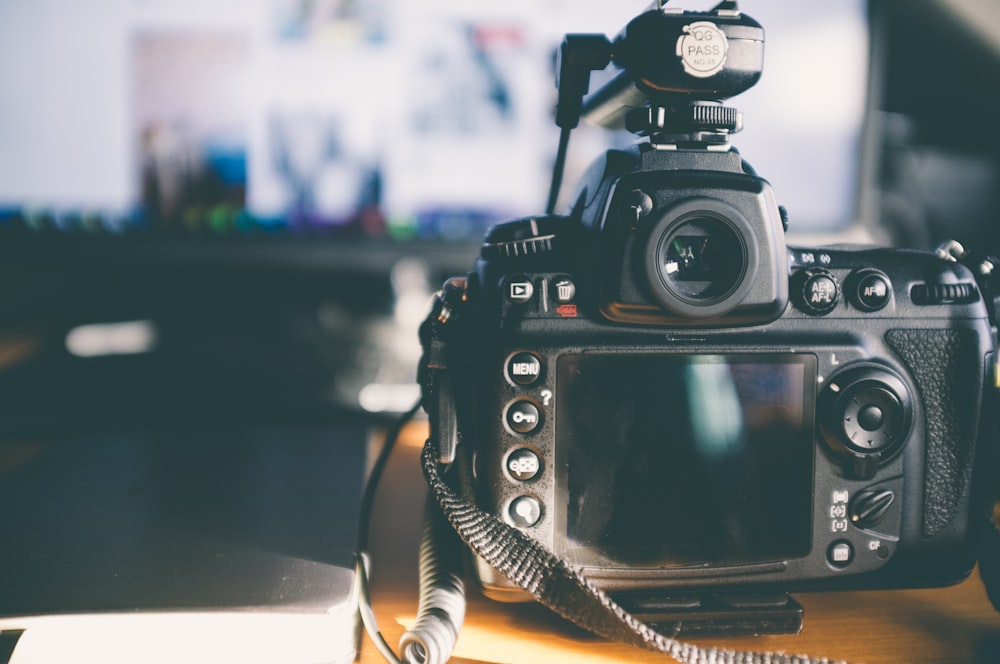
x=205 y=543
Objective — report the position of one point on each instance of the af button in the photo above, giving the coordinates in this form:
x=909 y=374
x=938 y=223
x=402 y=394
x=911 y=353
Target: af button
x=870 y=290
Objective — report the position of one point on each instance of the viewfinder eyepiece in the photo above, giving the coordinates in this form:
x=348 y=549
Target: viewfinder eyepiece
x=701 y=259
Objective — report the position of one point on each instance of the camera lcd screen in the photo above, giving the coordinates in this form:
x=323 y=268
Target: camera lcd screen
x=665 y=461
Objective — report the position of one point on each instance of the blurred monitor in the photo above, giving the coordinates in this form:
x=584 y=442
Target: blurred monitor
x=395 y=124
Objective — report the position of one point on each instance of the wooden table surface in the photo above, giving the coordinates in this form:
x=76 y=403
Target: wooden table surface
x=953 y=625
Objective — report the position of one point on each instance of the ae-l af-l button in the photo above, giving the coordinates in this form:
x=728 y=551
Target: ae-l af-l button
x=818 y=291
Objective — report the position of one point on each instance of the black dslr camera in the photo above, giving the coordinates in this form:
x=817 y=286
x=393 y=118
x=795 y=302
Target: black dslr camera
x=675 y=402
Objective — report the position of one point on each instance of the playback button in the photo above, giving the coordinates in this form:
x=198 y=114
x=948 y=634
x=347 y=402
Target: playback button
x=519 y=290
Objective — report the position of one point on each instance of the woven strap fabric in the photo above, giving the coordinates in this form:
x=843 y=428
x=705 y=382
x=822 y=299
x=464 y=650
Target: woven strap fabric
x=561 y=588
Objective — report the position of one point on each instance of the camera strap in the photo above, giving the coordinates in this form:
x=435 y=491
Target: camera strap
x=561 y=588
x=521 y=558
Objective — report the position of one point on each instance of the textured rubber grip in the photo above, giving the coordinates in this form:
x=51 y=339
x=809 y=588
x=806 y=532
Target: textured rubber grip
x=945 y=366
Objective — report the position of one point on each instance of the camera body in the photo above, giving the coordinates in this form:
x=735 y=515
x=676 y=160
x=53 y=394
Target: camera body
x=821 y=432
x=659 y=390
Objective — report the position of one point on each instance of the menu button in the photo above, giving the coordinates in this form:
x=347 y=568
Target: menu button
x=524 y=368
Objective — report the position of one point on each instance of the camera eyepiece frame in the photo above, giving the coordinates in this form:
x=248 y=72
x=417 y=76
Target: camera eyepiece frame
x=701 y=258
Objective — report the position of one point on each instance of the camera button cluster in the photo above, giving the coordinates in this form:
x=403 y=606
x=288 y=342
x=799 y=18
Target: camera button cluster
x=523 y=416
x=541 y=295
x=816 y=290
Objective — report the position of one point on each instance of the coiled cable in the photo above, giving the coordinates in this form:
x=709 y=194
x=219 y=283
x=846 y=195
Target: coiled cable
x=441 y=606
